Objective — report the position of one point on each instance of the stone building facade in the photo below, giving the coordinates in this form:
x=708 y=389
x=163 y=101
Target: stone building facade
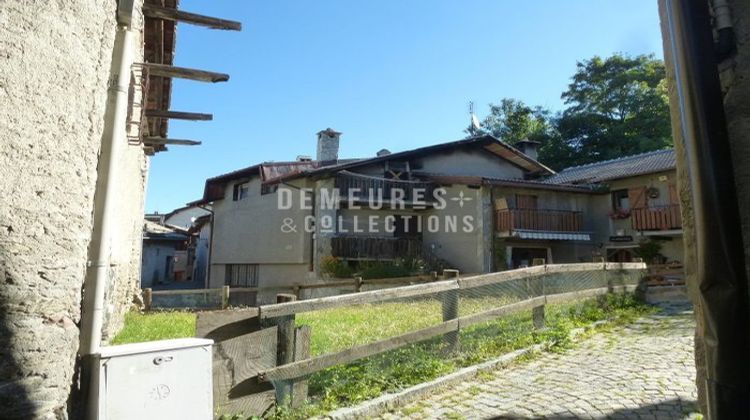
x=55 y=72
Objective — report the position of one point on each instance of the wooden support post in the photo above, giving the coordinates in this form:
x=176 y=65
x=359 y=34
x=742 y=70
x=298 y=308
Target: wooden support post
x=434 y=275
x=158 y=12
x=297 y=290
x=165 y=70
x=147 y=299
x=535 y=288
x=301 y=352
x=358 y=284
x=178 y=115
x=450 y=312
x=224 y=297
x=150 y=141
x=285 y=347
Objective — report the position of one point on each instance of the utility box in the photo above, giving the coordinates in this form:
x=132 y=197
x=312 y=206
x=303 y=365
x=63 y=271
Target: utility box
x=164 y=380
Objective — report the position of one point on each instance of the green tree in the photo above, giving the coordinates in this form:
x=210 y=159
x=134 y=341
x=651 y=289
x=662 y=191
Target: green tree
x=616 y=106
x=513 y=121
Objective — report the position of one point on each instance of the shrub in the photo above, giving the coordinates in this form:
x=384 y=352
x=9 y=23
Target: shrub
x=335 y=267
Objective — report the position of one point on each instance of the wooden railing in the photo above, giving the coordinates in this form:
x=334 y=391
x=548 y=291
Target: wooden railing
x=507 y=220
x=373 y=248
x=656 y=218
x=370 y=186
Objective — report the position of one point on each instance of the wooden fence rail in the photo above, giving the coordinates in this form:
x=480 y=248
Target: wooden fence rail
x=448 y=292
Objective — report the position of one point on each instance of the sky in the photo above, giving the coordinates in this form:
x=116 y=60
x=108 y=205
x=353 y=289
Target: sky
x=391 y=74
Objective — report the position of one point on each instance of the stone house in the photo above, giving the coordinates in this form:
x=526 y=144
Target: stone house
x=85 y=91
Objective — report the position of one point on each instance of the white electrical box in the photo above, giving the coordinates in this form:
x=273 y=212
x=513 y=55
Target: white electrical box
x=164 y=380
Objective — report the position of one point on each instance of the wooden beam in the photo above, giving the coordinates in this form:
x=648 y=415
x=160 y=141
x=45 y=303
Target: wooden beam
x=178 y=115
x=306 y=367
x=282 y=309
x=165 y=70
x=180 y=142
x=501 y=311
x=159 y=12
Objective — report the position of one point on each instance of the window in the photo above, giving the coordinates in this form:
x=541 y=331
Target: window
x=241 y=275
x=268 y=188
x=240 y=191
x=620 y=200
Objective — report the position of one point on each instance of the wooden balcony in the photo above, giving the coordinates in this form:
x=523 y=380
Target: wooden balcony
x=367 y=186
x=656 y=218
x=508 y=220
x=374 y=248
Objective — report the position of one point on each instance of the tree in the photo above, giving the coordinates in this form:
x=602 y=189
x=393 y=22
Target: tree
x=513 y=121
x=616 y=106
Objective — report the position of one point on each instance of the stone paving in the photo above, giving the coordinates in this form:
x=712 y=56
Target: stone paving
x=644 y=370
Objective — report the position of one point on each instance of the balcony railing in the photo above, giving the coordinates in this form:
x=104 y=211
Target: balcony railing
x=507 y=220
x=656 y=218
x=372 y=248
x=370 y=186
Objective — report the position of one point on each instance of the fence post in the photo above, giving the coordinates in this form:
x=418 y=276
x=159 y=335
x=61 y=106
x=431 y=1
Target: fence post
x=358 y=284
x=434 y=275
x=224 y=297
x=285 y=334
x=147 y=299
x=450 y=311
x=537 y=313
x=301 y=352
x=297 y=289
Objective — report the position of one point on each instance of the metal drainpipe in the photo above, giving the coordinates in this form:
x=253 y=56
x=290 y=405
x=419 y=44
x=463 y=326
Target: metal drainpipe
x=100 y=264
x=721 y=273
x=726 y=43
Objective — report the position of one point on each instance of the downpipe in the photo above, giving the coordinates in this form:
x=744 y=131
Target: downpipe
x=100 y=264
x=726 y=44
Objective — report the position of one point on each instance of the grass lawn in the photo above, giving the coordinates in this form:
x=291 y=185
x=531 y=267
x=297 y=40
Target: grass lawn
x=155 y=326
x=340 y=328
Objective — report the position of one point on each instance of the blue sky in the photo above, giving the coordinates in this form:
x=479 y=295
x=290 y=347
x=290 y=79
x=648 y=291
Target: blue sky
x=389 y=74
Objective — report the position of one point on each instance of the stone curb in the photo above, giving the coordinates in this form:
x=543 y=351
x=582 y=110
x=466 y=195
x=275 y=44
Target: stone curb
x=389 y=402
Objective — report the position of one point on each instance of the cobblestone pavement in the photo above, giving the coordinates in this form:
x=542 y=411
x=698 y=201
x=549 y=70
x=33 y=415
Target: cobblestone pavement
x=644 y=370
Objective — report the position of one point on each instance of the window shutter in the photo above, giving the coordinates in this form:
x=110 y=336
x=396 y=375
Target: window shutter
x=637 y=197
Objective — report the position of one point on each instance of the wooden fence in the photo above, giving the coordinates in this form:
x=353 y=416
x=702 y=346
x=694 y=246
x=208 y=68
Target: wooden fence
x=291 y=371
x=221 y=298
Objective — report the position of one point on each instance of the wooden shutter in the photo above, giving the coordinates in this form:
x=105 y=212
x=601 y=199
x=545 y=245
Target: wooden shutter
x=524 y=201
x=637 y=197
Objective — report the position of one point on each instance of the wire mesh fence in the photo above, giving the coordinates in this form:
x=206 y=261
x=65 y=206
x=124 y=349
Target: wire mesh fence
x=464 y=320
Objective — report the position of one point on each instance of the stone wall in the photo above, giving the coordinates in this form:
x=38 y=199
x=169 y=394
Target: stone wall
x=54 y=68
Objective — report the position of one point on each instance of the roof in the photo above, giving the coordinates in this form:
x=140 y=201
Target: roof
x=644 y=163
x=156 y=231
x=277 y=171
x=489 y=143
x=504 y=182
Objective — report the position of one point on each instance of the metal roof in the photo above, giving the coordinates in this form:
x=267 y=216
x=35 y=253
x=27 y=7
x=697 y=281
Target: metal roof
x=644 y=163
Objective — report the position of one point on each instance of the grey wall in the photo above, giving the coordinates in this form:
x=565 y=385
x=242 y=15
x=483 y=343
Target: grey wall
x=54 y=69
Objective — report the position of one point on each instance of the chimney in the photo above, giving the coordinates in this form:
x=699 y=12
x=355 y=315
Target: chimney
x=383 y=152
x=529 y=148
x=328 y=146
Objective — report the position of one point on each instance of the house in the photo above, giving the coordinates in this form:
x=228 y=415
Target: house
x=457 y=204
x=638 y=202
x=164 y=256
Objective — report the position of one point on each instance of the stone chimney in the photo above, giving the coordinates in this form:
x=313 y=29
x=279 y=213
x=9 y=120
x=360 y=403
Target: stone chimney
x=529 y=148
x=328 y=146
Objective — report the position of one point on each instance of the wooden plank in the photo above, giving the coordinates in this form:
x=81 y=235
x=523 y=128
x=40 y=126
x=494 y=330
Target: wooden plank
x=160 y=140
x=282 y=309
x=501 y=311
x=306 y=367
x=566 y=268
x=178 y=115
x=500 y=277
x=165 y=70
x=158 y=12
x=586 y=294
x=301 y=352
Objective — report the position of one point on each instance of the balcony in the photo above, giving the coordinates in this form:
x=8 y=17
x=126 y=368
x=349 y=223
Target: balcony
x=374 y=248
x=540 y=224
x=370 y=186
x=660 y=218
